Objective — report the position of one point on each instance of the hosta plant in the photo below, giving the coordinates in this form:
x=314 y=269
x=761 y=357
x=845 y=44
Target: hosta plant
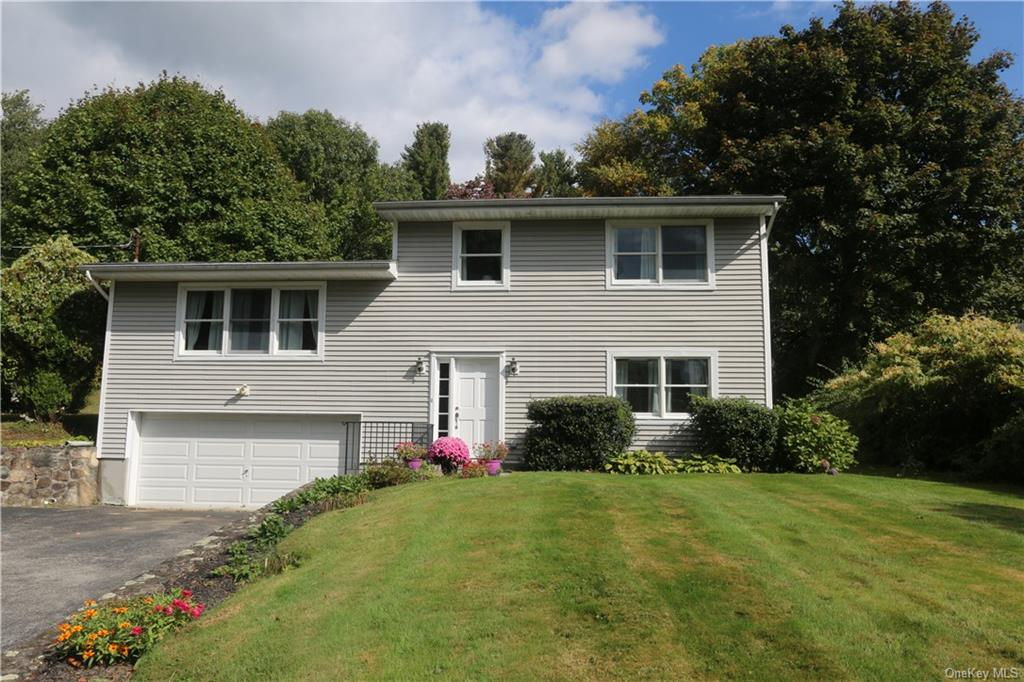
x=707 y=464
x=121 y=631
x=641 y=462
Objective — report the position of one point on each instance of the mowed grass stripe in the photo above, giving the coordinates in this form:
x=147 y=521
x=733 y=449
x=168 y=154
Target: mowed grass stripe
x=587 y=576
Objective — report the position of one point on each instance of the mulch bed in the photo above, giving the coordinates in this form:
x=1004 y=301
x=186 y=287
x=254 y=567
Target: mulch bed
x=192 y=568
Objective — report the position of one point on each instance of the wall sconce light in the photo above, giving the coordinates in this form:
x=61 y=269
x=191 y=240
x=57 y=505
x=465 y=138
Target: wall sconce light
x=243 y=391
x=513 y=367
x=421 y=367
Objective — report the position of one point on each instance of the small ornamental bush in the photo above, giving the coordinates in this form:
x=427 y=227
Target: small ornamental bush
x=450 y=452
x=121 y=631
x=808 y=436
x=737 y=429
x=408 y=451
x=473 y=470
x=489 y=452
x=387 y=474
x=707 y=464
x=577 y=433
x=641 y=462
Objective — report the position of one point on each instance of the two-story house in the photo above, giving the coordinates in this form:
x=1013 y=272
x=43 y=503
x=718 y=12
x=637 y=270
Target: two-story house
x=229 y=384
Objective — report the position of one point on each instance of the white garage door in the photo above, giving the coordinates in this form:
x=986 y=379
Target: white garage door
x=195 y=460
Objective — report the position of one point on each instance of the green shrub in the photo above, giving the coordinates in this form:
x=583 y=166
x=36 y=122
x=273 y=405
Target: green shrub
x=808 y=435
x=387 y=474
x=52 y=324
x=1002 y=454
x=934 y=396
x=736 y=429
x=641 y=462
x=319 y=490
x=707 y=464
x=271 y=530
x=45 y=395
x=577 y=432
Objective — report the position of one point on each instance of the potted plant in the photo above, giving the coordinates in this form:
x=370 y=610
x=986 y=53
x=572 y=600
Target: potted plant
x=491 y=455
x=411 y=453
x=450 y=452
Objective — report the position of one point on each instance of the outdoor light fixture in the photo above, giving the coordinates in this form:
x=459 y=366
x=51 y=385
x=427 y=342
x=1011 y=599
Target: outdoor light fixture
x=243 y=391
x=513 y=367
x=421 y=367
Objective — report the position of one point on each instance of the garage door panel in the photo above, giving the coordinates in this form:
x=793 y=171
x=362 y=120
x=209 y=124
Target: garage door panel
x=220 y=449
x=234 y=460
x=291 y=474
x=214 y=472
x=150 y=493
x=212 y=495
x=155 y=472
x=164 y=449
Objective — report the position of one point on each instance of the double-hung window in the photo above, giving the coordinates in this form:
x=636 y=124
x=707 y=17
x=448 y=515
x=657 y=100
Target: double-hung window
x=251 y=321
x=660 y=254
x=480 y=255
x=662 y=384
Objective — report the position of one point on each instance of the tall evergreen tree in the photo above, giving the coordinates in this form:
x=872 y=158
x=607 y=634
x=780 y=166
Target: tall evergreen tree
x=509 y=163
x=555 y=175
x=427 y=159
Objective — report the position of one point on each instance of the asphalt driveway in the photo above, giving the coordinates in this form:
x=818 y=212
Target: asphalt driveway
x=52 y=559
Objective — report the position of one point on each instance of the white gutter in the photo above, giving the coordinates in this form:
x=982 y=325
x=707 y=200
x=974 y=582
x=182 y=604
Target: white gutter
x=771 y=219
x=97 y=287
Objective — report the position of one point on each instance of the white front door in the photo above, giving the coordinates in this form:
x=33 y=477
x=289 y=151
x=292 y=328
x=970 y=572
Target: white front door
x=475 y=399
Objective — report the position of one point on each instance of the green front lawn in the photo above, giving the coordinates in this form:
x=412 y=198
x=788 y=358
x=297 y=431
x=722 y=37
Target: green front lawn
x=590 y=576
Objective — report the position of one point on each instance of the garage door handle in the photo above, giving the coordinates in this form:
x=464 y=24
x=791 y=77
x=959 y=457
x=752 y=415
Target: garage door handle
x=245 y=472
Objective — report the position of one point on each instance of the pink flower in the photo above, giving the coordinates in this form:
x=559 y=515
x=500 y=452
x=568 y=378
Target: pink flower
x=449 y=450
x=195 y=612
x=186 y=593
x=136 y=630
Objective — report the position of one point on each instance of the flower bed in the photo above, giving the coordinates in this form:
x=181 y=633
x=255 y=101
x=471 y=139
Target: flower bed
x=121 y=631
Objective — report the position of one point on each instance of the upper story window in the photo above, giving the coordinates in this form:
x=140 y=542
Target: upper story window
x=665 y=254
x=248 y=321
x=480 y=255
x=662 y=383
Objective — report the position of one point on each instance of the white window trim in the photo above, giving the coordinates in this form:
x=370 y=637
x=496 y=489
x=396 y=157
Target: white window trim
x=458 y=284
x=662 y=354
x=180 y=354
x=609 y=241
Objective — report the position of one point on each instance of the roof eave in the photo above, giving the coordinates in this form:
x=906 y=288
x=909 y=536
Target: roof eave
x=241 y=272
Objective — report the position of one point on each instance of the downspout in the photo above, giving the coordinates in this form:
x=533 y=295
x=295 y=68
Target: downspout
x=97 y=287
x=771 y=219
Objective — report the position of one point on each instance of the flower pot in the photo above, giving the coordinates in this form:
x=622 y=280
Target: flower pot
x=493 y=467
x=415 y=464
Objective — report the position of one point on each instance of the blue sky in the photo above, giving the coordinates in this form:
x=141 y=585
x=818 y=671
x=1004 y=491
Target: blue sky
x=550 y=70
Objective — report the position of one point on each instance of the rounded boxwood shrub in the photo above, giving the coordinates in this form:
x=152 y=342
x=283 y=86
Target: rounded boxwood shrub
x=737 y=429
x=578 y=433
x=808 y=436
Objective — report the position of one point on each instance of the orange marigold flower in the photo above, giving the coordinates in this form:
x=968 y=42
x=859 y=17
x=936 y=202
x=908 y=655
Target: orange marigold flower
x=77 y=628
x=64 y=626
x=147 y=600
x=103 y=633
x=124 y=624
x=124 y=650
x=121 y=609
x=112 y=648
x=89 y=613
x=88 y=653
x=90 y=602
x=91 y=638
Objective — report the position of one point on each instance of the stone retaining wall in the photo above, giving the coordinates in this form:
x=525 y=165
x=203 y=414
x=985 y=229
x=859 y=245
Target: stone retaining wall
x=34 y=477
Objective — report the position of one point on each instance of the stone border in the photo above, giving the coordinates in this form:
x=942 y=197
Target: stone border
x=60 y=475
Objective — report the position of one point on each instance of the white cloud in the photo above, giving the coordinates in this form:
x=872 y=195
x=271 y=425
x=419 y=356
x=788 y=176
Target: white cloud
x=385 y=66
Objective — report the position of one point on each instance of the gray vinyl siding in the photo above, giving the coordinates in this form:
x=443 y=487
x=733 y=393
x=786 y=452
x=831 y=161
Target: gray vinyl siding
x=558 y=319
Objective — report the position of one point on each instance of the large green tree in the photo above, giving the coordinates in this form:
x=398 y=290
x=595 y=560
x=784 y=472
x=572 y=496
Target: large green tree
x=555 y=175
x=427 y=159
x=337 y=163
x=21 y=130
x=902 y=158
x=179 y=163
x=509 y=163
